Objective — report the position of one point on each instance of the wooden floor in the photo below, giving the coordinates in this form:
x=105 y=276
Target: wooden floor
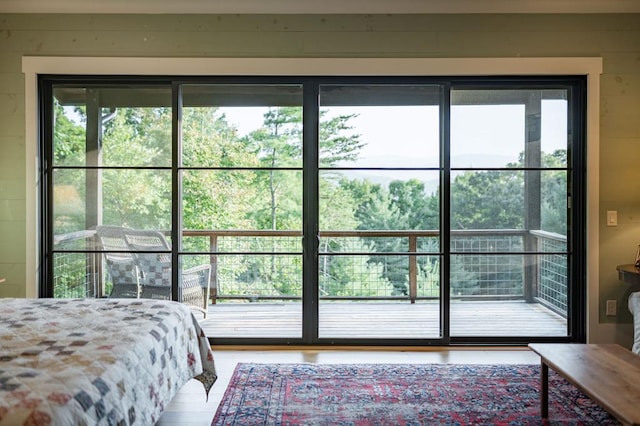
x=384 y=320
x=190 y=408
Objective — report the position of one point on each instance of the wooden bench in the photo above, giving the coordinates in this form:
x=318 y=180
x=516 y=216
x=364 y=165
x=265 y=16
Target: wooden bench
x=608 y=374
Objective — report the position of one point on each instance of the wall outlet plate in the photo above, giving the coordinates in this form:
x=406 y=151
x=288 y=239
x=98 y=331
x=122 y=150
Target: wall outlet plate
x=612 y=308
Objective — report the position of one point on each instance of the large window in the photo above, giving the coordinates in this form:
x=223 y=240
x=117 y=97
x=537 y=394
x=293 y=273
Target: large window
x=322 y=210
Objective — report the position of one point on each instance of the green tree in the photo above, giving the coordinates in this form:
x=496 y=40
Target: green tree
x=554 y=193
x=404 y=205
x=277 y=146
x=415 y=207
x=338 y=142
x=69 y=139
x=69 y=185
x=488 y=200
x=132 y=197
x=214 y=199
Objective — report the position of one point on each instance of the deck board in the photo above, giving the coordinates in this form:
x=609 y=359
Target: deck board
x=384 y=320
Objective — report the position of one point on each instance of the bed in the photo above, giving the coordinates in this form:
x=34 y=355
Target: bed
x=97 y=361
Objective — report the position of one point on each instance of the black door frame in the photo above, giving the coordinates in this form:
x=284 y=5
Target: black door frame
x=577 y=191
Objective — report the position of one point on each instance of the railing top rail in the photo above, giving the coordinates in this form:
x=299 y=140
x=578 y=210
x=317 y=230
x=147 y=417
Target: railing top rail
x=482 y=232
x=295 y=233
x=78 y=235
x=548 y=235
x=353 y=233
x=73 y=236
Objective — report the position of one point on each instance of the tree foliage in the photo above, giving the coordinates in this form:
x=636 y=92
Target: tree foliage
x=254 y=182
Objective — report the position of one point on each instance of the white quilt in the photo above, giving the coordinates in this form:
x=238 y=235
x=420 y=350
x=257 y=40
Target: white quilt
x=96 y=361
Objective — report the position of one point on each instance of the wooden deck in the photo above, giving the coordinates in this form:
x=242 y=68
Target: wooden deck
x=384 y=320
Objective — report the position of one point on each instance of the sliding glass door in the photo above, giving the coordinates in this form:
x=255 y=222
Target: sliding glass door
x=379 y=213
x=509 y=211
x=240 y=183
x=322 y=210
x=109 y=157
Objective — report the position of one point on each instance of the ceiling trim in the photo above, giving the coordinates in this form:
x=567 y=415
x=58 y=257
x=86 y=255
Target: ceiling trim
x=318 y=7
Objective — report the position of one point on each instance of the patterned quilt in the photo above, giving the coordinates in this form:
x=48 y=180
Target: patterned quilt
x=96 y=361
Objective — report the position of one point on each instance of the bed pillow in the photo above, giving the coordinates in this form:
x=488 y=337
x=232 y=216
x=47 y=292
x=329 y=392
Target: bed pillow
x=634 y=307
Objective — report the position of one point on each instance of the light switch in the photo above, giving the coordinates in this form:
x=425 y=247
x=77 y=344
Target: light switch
x=612 y=218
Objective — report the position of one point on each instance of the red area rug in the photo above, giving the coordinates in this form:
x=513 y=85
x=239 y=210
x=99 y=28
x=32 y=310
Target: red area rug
x=400 y=394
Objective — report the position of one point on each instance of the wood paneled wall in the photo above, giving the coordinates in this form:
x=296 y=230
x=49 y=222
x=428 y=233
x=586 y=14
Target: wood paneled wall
x=615 y=38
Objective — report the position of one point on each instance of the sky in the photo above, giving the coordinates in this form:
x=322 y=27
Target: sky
x=407 y=136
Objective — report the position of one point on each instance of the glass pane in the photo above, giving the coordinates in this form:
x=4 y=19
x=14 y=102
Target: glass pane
x=500 y=240
x=487 y=200
x=257 y=296
x=242 y=199
x=138 y=199
x=379 y=241
x=369 y=296
x=379 y=320
x=123 y=126
x=379 y=126
x=486 y=135
x=373 y=212
x=242 y=126
x=197 y=283
x=487 y=275
x=132 y=198
x=242 y=241
x=70 y=201
x=555 y=131
x=379 y=200
x=552 y=289
x=494 y=127
x=554 y=201
x=513 y=295
x=69 y=132
x=365 y=276
x=357 y=276
x=74 y=273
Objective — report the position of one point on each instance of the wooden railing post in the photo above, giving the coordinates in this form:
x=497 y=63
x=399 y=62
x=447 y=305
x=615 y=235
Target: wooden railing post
x=413 y=268
x=213 y=259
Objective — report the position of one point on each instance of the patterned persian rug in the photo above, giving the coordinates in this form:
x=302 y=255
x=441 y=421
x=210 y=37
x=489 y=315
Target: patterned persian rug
x=400 y=394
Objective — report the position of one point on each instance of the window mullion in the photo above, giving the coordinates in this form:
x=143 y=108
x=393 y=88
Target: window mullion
x=176 y=186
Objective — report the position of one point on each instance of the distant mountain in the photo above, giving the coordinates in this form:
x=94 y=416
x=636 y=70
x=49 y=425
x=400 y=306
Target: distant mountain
x=384 y=177
x=464 y=160
x=481 y=161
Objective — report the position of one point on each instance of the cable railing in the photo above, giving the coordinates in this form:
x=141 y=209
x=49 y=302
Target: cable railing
x=257 y=266
x=552 y=271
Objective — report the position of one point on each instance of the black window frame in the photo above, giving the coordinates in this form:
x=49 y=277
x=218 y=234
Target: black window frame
x=576 y=86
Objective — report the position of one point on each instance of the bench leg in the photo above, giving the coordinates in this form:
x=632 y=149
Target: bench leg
x=544 y=391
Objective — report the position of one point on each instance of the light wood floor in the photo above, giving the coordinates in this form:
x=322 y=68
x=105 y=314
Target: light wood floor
x=190 y=408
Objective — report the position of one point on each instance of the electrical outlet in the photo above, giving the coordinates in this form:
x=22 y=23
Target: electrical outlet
x=612 y=308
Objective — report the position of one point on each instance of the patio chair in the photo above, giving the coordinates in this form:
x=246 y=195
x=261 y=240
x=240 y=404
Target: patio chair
x=121 y=267
x=152 y=252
